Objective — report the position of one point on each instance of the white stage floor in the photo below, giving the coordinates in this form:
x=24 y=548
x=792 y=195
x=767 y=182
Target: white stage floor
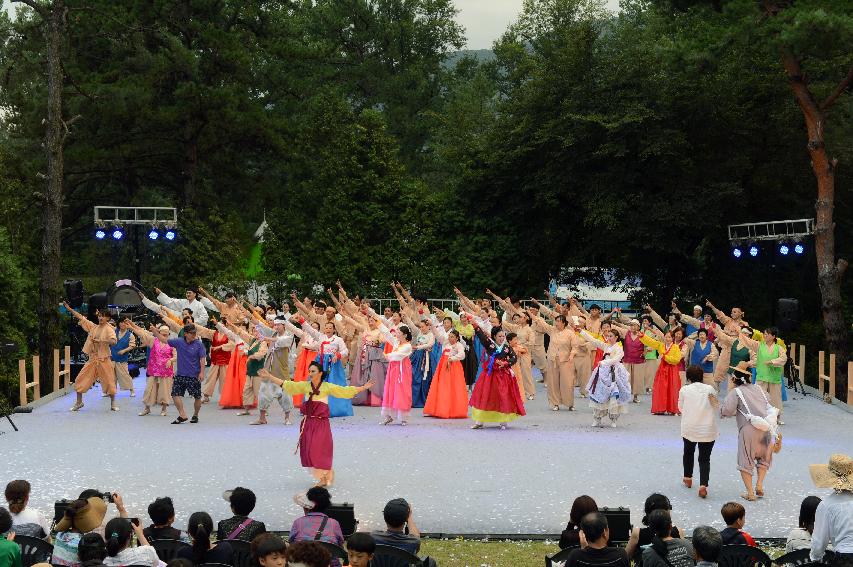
x=519 y=481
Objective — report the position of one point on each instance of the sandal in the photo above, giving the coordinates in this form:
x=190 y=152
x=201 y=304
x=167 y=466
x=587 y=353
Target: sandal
x=759 y=491
x=113 y=408
x=477 y=426
x=77 y=406
x=387 y=420
x=179 y=420
x=244 y=412
x=259 y=422
x=688 y=482
x=748 y=496
x=146 y=411
x=163 y=412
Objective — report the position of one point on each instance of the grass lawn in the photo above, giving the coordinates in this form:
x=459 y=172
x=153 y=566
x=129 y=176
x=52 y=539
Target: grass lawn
x=480 y=553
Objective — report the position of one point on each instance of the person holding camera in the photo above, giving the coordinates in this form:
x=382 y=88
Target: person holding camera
x=400 y=529
x=119 y=552
x=82 y=516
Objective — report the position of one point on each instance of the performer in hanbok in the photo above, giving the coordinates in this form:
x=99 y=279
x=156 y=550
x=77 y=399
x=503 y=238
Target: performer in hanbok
x=522 y=325
x=560 y=377
x=97 y=347
x=634 y=359
x=667 y=381
x=495 y=398
x=308 y=349
x=703 y=354
x=331 y=354
x=448 y=396
x=235 y=374
x=422 y=364
x=277 y=362
x=220 y=355
x=191 y=302
x=316 y=447
x=370 y=364
x=120 y=354
x=609 y=385
x=397 y=396
x=160 y=369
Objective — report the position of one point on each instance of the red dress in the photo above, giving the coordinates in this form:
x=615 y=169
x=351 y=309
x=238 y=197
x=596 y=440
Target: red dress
x=235 y=379
x=303 y=361
x=495 y=398
x=666 y=386
x=315 y=440
x=448 y=396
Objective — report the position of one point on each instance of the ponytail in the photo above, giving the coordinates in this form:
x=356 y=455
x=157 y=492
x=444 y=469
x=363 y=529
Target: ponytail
x=200 y=527
x=118 y=533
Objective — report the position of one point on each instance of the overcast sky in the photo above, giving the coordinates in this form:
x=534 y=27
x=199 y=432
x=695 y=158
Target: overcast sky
x=484 y=20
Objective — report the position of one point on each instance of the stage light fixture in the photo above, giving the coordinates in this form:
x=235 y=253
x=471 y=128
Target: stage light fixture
x=784 y=249
x=799 y=248
x=737 y=252
x=100 y=234
x=117 y=233
x=153 y=234
x=753 y=250
x=170 y=234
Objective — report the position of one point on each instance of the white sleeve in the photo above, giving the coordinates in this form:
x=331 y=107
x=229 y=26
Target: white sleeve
x=616 y=354
x=342 y=346
x=593 y=340
x=312 y=332
x=208 y=304
x=401 y=353
x=167 y=301
x=820 y=534
x=153 y=306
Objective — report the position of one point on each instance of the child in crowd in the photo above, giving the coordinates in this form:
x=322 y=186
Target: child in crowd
x=360 y=549
x=162 y=514
x=269 y=550
x=10 y=552
x=734 y=515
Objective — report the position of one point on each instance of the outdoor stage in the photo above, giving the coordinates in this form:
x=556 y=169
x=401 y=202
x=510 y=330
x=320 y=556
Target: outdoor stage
x=519 y=481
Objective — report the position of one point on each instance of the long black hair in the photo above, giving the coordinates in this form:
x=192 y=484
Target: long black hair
x=405 y=331
x=323 y=374
x=91 y=550
x=118 y=532
x=200 y=527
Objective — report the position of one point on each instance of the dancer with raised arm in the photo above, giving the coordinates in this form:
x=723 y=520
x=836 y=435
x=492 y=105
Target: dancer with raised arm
x=496 y=398
x=256 y=352
x=560 y=378
x=331 y=354
x=770 y=359
x=120 y=354
x=316 y=447
x=160 y=369
x=397 y=397
x=448 y=396
x=609 y=386
x=191 y=302
x=230 y=309
x=307 y=352
x=99 y=366
x=277 y=362
x=667 y=381
x=370 y=362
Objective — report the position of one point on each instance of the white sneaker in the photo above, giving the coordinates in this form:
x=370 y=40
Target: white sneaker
x=77 y=406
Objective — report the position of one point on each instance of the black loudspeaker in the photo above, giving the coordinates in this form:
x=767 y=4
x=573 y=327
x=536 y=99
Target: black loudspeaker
x=7 y=346
x=74 y=293
x=345 y=515
x=788 y=314
x=619 y=522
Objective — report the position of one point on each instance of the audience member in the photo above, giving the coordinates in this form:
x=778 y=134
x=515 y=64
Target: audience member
x=315 y=525
x=82 y=516
x=92 y=550
x=801 y=537
x=25 y=521
x=119 y=551
x=833 y=521
x=400 y=529
x=666 y=550
x=269 y=550
x=582 y=506
x=179 y=562
x=200 y=527
x=734 y=515
x=240 y=526
x=10 y=552
x=698 y=404
x=641 y=537
x=360 y=549
x=707 y=545
x=162 y=514
x=308 y=554
x=594 y=550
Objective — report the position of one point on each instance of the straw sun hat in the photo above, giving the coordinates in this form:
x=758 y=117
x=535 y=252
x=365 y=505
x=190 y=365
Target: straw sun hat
x=838 y=474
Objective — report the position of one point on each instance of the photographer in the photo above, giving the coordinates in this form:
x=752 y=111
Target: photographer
x=82 y=516
x=400 y=529
x=119 y=551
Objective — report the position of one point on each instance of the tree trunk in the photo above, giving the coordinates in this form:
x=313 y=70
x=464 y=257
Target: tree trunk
x=51 y=205
x=829 y=272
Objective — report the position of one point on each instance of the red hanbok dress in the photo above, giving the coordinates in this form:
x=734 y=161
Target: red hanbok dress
x=448 y=394
x=667 y=380
x=496 y=398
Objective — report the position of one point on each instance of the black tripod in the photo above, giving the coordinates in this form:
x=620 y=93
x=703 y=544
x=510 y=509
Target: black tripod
x=8 y=415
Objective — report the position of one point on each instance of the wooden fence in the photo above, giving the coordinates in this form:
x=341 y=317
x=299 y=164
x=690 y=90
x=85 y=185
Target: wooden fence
x=61 y=378
x=825 y=374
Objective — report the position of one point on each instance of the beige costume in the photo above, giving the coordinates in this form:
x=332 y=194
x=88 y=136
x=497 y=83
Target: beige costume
x=99 y=365
x=560 y=378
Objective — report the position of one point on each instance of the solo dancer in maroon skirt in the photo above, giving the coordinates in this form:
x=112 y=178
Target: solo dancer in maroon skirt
x=315 y=435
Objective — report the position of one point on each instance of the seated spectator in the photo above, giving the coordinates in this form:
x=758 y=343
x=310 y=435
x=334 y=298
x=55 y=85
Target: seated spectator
x=360 y=549
x=179 y=562
x=92 y=550
x=734 y=515
x=594 y=550
x=315 y=524
x=10 y=552
x=666 y=550
x=801 y=537
x=833 y=520
x=25 y=521
x=269 y=550
x=200 y=527
x=308 y=554
x=240 y=526
x=82 y=516
x=162 y=514
x=641 y=537
x=707 y=545
x=400 y=529
x=582 y=506
x=119 y=551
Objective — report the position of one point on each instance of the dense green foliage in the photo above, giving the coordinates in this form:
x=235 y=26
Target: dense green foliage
x=378 y=152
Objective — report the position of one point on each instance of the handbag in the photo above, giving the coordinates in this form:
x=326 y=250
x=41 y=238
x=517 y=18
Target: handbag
x=758 y=422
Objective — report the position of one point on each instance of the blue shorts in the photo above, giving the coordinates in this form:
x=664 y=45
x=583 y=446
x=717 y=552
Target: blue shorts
x=188 y=384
